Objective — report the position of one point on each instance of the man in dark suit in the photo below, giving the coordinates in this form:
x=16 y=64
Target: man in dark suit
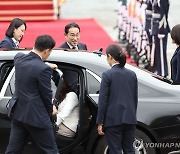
x=33 y=109
x=118 y=103
x=72 y=36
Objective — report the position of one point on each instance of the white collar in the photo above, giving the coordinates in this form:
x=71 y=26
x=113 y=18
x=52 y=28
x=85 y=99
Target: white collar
x=72 y=46
x=36 y=53
x=16 y=42
x=115 y=64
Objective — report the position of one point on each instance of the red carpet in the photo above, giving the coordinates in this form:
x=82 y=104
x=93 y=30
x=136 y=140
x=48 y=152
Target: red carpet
x=91 y=33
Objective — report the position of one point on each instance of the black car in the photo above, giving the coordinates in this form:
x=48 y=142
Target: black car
x=158 y=128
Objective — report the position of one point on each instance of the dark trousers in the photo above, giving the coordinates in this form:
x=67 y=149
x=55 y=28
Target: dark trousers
x=44 y=138
x=120 y=138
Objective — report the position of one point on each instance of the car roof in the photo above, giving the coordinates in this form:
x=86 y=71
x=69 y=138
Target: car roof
x=87 y=60
x=94 y=62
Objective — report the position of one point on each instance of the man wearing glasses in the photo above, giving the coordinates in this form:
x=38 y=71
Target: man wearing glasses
x=72 y=36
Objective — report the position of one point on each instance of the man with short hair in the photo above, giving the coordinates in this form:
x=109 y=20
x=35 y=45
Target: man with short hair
x=72 y=36
x=33 y=108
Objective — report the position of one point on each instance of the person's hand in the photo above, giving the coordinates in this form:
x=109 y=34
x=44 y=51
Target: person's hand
x=100 y=129
x=53 y=66
x=54 y=110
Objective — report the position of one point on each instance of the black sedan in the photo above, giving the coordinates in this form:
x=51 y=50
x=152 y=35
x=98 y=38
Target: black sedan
x=158 y=109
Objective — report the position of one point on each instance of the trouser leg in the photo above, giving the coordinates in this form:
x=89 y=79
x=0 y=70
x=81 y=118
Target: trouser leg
x=44 y=138
x=114 y=138
x=18 y=138
x=128 y=138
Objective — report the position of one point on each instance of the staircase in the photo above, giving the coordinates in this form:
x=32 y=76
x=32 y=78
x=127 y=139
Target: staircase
x=29 y=10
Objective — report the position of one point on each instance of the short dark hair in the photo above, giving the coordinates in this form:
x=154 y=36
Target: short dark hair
x=44 y=42
x=71 y=25
x=175 y=34
x=15 y=23
x=116 y=52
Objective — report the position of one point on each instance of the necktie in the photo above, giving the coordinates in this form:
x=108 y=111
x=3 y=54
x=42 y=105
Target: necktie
x=17 y=44
x=73 y=47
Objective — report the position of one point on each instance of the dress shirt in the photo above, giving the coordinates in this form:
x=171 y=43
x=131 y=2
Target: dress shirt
x=16 y=42
x=115 y=64
x=71 y=47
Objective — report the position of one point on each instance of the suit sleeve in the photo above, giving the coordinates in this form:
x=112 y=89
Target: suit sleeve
x=44 y=82
x=177 y=79
x=17 y=56
x=103 y=98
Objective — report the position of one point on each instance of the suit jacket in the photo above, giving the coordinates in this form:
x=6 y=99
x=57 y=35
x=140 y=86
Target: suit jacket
x=118 y=97
x=81 y=46
x=175 y=66
x=33 y=90
x=7 y=42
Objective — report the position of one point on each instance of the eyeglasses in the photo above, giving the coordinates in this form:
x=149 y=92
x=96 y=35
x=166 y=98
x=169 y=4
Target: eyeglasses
x=73 y=35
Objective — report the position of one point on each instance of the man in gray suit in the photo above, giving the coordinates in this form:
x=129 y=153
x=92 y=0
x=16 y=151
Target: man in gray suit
x=33 y=109
x=117 y=104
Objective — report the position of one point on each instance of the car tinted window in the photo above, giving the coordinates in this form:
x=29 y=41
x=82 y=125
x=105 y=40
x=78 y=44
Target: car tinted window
x=11 y=87
x=93 y=84
x=5 y=69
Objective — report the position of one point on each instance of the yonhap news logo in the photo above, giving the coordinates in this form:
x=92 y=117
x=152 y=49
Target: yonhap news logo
x=139 y=144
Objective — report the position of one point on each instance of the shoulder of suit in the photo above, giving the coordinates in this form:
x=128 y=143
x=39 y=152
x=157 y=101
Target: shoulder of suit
x=64 y=45
x=82 y=44
x=120 y=69
x=6 y=42
x=178 y=48
x=131 y=72
x=20 y=54
x=7 y=38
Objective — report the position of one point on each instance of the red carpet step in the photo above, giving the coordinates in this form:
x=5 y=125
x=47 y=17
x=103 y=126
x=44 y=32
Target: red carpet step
x=29 y=10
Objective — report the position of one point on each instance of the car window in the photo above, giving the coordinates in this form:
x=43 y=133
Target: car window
x=5 y=69
x=93 y=83
x=11 y=86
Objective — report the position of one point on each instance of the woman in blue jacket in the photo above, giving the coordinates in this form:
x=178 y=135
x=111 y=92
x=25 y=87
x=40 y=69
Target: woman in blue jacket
x=14 y=34
x=118 y=99
x=175 y=60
